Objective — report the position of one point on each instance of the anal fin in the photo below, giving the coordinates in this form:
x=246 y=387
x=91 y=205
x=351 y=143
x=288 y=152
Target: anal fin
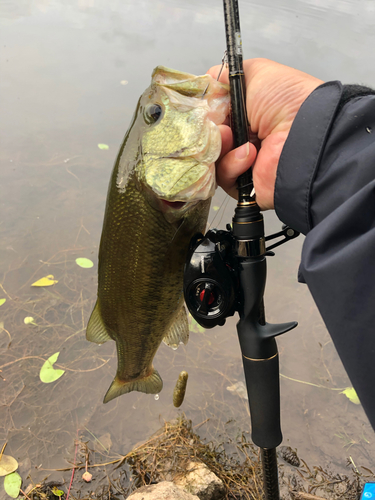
x=152 y=384
x=96 y=331
x=179 y=331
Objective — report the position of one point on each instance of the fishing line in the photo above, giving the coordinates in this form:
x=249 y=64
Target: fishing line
x=222 y=210
x=177 y=230
x=224 y=61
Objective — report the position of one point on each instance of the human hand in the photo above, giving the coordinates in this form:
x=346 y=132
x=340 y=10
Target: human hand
x=274 y=94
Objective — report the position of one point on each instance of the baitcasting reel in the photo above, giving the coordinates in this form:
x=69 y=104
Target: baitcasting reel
x=211 y=284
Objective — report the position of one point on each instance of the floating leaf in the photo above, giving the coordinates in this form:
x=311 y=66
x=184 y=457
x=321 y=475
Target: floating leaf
x=12 y=484
x=216 y=208
x=48 y=373
x=103 y=146
x=195 y=327
x=7 y=465
x=29 y=320
x=83 y=262
x=351 y=395
x=57 y=492
x=2 y=301
x=87 y=476
x=46 y=281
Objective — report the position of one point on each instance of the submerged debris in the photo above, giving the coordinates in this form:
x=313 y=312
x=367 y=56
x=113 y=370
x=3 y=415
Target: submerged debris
x=180 y=389
x=289 y=455
x=177 y=455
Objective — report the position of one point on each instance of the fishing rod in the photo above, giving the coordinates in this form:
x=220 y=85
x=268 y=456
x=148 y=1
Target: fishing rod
x=225 y=272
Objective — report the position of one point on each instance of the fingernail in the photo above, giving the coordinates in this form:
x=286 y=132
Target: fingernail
x=242 y=152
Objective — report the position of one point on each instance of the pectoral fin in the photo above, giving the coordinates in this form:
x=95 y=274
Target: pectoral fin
x=152 y=384
x=179 y=331
x=96 y=331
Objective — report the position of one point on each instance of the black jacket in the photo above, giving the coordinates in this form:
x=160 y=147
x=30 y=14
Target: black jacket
x=325 y=188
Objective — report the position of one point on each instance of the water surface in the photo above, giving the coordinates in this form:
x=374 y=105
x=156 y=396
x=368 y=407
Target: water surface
x=72 y=73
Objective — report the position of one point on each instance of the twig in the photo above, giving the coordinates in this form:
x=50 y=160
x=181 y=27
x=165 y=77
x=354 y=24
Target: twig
x=21 y=359
x=314 y=385
x=56 y=364
x=300 y=495
x=74 y=468
x=6 y=331
x=2 y=451
x=96 y=439
x=81 y=371
x=198 y=425
x=355 y=467
x=6 y=293
x=93 y=465
x=24 y=494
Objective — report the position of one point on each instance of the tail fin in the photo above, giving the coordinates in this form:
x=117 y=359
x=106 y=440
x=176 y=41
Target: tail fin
x=152 y=384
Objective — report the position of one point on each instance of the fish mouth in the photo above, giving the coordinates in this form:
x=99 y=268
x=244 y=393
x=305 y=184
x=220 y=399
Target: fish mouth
x=175 y=205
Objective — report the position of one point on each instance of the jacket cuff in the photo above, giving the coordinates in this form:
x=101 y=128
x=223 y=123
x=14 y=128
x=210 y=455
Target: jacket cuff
x=301 y=155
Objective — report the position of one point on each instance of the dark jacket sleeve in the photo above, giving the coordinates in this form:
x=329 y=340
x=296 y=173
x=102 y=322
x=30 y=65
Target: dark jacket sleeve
x=325 y=188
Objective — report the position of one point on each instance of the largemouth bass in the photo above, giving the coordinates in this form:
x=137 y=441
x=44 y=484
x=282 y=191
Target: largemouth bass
x=158 y=198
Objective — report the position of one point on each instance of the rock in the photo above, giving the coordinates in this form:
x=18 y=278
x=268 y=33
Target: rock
x=340 y=488
x=161 y=491
x=200 y=481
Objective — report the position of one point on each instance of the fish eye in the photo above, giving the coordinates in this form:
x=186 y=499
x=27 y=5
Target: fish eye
x=152 y=113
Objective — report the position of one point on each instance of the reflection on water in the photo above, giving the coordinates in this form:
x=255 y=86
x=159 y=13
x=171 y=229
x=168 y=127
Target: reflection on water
x=62 y=67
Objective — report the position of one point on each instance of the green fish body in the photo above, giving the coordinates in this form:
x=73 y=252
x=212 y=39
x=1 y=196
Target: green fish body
x=159 y=197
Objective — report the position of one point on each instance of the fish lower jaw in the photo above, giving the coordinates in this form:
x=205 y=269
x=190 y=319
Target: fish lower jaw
x=175 y=210
x=174 y=205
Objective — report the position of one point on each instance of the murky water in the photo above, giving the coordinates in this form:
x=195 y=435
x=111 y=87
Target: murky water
x=71 y=75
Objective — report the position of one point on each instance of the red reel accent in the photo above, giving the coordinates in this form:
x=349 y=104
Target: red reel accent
x=210 y=300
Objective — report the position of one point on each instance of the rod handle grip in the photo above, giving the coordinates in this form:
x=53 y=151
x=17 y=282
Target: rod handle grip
x=263 y=386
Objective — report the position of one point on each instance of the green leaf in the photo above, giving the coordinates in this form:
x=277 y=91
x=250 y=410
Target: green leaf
x=29 y=320
x=8 y=464
x=2 y=301
x=195 y=327
x=46 y=281
x=57 y=492
x=351 y=395
x=48 y=373
x=103 y=146
x=83 y=262
x=12 y=484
